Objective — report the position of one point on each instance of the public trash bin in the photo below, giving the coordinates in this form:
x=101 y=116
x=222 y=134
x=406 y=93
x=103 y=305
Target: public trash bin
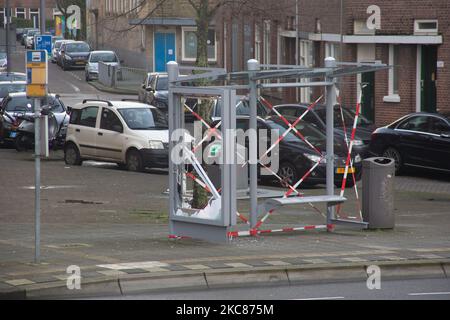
x=378 y=193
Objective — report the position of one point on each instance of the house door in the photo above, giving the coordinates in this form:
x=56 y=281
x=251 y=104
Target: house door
x=368 y=95
x=164 y=50
x=428 y=83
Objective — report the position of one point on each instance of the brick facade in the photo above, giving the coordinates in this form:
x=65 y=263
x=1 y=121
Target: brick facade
x=397 y=19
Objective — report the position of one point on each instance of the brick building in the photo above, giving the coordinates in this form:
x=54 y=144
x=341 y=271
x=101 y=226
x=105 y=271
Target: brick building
x=28 y=10
x=413 y=35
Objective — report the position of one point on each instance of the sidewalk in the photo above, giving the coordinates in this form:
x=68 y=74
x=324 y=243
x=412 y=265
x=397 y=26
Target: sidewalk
x=113 y=225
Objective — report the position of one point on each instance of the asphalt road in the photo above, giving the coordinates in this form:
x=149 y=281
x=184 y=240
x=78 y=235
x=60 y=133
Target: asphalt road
x=423 y=289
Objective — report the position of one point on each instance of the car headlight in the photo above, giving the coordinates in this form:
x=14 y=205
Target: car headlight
x=67 y=57
x=358 y=143
x=315 y=158
x=155 y=144
x=358 y=158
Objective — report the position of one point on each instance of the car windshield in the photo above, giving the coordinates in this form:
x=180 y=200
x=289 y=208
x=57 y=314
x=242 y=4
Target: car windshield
x=2 y=55
x=144 y=118
x=103 y=57
x=163 y=84
x=314 y=136
x=17 y=104
x=32 y=32
x=58 y=44
x=77 y=47
x=349 y=117
x=243 y=109
x=7 y=88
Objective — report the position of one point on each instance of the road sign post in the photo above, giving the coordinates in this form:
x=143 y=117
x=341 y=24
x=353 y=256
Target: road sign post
x=37 y=80
x=43 y=42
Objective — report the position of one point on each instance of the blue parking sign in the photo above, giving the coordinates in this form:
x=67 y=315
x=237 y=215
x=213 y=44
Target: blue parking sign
x=43 y=42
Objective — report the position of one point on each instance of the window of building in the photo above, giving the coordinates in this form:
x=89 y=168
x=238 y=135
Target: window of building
x=394 y=75
x=426 y=27
x=332 y=50
x=20 y=13
x=189 y=43
x=305 y=60
x=257 y=42
x=266 y=44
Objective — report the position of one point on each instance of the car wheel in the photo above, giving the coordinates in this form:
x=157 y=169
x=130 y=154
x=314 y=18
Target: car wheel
x=72 y=155
x=87 y=77
x=134 y=161
x=394 y=154
x=64 y=66
x=288 y=173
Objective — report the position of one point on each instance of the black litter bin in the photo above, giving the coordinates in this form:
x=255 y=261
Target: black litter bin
x=378 y=193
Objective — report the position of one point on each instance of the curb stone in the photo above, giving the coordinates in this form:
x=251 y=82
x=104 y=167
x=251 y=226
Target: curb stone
x=226 y=278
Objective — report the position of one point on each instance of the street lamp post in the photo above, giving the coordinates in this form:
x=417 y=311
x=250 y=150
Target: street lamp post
x=42 y=15
x=8 y=18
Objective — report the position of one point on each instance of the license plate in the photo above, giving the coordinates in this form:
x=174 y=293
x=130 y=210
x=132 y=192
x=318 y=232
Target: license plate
x=80 y=62
x=13 y=134
x=342 y=170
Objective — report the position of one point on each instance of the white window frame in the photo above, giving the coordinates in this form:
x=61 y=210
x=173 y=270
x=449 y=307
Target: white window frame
x=428 y=32
x=258 y=42
x=266 y=42
x=34 y=11
x=305 y=59
x=392 y=97
x=194 y=29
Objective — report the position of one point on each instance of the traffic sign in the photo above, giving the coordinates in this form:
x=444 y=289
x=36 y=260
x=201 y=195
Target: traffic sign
x=37 y=73
x=43 y=42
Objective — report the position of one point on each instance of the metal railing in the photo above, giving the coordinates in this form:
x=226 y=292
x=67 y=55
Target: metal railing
x=124 y=78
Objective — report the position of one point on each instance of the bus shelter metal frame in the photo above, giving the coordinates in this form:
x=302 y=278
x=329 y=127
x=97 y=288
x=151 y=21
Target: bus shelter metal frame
x=300 y=77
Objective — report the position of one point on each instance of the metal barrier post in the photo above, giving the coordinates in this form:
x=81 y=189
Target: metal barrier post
x=331 y=101
x=37 y=184
x=253 y=66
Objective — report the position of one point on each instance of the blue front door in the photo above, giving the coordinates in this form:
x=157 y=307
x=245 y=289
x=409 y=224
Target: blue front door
x=164 y=50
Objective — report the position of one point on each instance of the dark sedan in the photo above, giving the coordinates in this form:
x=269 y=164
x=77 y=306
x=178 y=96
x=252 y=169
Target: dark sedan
x=317 y=117
x=296 y=158
x=417 y=140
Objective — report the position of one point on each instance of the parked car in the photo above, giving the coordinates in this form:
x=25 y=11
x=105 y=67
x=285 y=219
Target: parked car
x=57 y=55
x=3 y=61
x=155 y=90
x=317 y=116
x=29 y=38
x=13 y=76
x=107 y=57
x=74 y=54
x=242 y=108
x=7 y=87
x=25 y=35
x=131 y=134
x=18 y=104
x=19 y=32
x=296 y=158
x=417 y=140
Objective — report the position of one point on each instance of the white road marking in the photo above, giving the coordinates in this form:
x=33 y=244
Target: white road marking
x=134 y=265
x=429 y=294
x=75 y=87
x=49 y=187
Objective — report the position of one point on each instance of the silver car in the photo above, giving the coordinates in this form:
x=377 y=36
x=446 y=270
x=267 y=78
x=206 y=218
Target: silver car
x=107 y=57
